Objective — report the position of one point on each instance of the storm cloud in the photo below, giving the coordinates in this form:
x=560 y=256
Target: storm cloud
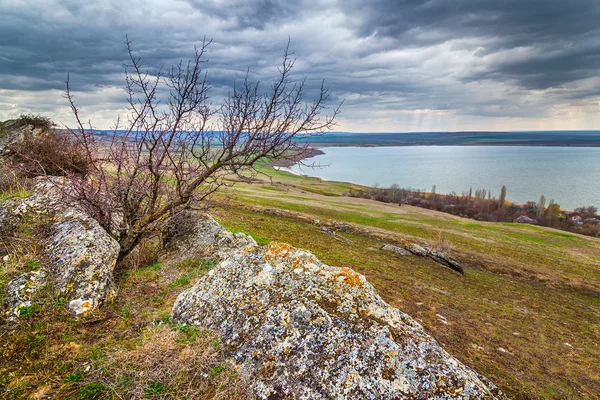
x=399 y=65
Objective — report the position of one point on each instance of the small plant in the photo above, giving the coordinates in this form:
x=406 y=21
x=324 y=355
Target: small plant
x=28 y=311
x=165 y=318
x=216 y=371
x=442 y=245
x=96 y=353
x=155 y=266
x=126 y=313
x=181 y=281
x=33 y=265
x=190 y=263
x=74 y=377
x=60 y=304
x=154 y=389
x=90 y=390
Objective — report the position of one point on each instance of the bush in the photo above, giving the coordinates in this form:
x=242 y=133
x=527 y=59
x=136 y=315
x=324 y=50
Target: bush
x=53 y=153
x=38 y=121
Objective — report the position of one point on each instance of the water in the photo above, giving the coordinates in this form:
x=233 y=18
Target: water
x=569 y=175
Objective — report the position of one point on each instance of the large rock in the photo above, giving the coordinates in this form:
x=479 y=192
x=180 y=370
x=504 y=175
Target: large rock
x=13 y=131
x=82 y=255
x=199 y=235
x=305 y=330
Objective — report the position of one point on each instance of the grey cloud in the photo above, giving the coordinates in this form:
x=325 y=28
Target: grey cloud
x=382 y=56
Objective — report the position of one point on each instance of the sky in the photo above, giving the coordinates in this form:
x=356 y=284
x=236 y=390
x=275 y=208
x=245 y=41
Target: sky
x=398 y=65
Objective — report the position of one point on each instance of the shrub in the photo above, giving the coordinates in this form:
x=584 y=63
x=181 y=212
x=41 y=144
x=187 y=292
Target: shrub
x=36 y=120
x=53 y=153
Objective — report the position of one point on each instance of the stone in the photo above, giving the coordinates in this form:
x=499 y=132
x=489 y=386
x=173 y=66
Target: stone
x=82 y=255
x=20 y=290
x=12 y=132
x=395 y=249
x=304 y=330
x=199 y=235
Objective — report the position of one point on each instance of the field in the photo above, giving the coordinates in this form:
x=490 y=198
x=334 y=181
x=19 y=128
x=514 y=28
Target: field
x=526 y=313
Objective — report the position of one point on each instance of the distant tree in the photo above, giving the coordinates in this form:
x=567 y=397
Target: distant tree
x=586 y=212
x=176 y=150
x=470 y=195
x=433 y=193
x=541 y=205
x=502 y=197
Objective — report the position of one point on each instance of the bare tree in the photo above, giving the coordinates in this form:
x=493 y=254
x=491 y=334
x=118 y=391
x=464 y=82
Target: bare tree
x=175 y=153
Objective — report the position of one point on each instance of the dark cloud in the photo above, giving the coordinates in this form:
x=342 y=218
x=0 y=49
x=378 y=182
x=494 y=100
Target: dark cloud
x=478 y=59
x=562 y=38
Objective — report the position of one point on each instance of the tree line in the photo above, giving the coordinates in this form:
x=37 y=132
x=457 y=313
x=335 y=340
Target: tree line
x=479 y=204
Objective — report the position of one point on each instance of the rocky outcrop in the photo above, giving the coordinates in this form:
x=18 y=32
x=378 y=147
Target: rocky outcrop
x=305 y=330
x=199 y=235
x=81 y=254
x=395 y=249
x=13 y=131
x=437 y=256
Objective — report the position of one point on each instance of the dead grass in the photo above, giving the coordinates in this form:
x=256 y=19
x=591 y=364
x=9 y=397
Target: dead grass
x=168 y=362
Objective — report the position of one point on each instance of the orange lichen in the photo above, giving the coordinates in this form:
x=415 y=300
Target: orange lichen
x=351 y=277
x=277 y=250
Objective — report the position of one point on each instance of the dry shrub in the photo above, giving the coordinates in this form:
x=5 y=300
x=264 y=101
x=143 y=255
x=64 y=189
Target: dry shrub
x=11 y=181
x=172 y=362
x=146 y=253
x=52 y=152
x=35 y=120
x=442 y=245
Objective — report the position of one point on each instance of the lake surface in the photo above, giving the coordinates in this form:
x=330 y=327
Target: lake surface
x=569 y=175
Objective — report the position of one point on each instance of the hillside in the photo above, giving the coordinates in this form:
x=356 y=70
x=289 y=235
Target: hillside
x=525 y=314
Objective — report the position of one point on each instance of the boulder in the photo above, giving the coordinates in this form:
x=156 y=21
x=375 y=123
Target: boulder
x=395 y=249
x=305 y=330
x=12 y=131
x=81 y=254
x=20 y=291
x=436 y=255
x=199 y=235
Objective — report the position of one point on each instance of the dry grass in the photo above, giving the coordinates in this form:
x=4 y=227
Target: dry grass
x=443 y=245
x=165 y=362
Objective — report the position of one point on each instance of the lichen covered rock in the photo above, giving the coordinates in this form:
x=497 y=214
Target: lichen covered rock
x=305 y=330
x=199 y=235
x=82 y=255
x=20 y=290
x=395 y=249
